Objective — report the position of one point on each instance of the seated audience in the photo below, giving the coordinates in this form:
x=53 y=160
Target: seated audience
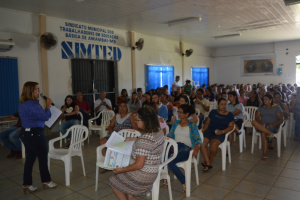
x=186 y=134
x=187 y=88
x=218 y=123
x=162 y=109
x=147 y=98
x=253 y=99
x=267 y=120
x=162 y=122
x=202 y=104
x=134 y=104
x=141 y=98
x=124 y=97
x=164 y=100
x=175 y=99
x=84 y=108
x=138 y=178
x=192 y=117
x=70 y=114
x=102 y=104
x=10 y=137
x=283 y=106
x=296 y=111
x=193 y=96
x=219 y=94
x=237 y=110
x=209 y=95
x=243 y=98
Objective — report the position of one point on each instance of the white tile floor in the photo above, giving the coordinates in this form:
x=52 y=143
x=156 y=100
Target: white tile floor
x=247 y=177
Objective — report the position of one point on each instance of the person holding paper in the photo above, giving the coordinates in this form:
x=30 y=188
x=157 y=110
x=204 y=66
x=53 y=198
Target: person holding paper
x=138 y=178
x=122 y=120
x=33 y=118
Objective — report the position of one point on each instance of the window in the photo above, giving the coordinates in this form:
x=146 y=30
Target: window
x=159 y=76
x=9 y=81
x=201 y=75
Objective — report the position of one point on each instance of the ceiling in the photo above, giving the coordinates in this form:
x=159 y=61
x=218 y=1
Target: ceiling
x=258 y=21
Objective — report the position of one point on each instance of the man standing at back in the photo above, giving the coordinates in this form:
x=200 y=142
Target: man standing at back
x=102 y=104
x=175 y=85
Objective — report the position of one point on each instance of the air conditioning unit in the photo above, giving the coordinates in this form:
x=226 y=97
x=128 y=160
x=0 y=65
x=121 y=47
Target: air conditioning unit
x=6 y=45
x=291 y=2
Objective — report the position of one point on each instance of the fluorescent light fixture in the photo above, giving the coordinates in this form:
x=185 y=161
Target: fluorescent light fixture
x=6 y=42
x=226 y=36
x=291 y=2
x=184 y=20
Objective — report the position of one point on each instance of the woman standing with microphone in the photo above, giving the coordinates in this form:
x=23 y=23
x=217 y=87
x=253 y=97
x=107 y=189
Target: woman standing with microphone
x=33 y=118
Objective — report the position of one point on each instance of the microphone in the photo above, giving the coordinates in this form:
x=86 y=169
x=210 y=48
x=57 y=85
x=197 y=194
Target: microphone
x=44 y=97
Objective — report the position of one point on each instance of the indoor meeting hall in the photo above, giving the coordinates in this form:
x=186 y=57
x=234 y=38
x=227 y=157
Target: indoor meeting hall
x=150 y=99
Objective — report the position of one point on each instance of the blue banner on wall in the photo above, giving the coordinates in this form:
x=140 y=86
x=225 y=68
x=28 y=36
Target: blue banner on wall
x=95 y=51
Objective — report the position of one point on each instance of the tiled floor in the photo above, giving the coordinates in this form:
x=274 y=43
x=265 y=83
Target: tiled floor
x=247 y=177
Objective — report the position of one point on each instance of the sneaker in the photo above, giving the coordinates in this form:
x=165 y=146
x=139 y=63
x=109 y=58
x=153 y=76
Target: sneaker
x=12 y=154
x=18 y=154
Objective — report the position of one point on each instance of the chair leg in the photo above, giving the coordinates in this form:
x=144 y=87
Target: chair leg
x=82 y=162
x=229 y=152
x=49 y=164
x=155 y=188
x=244 y=132
x=284 y=134
x=23 y=150
x=71 y=167
x=223 y=151
x=241 y=141
x=279 y=146
x=60 y=142
x=97 y=174
x=67 y=171
x=253 y=141
x=188 y=180
x=196 y=172
x=169 y=188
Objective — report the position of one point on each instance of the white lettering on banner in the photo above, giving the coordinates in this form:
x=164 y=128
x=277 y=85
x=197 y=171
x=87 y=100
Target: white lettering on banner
x=82 y=50
x=90 y=33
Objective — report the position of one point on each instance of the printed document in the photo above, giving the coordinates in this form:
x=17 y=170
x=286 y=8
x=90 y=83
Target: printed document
x=55 y=113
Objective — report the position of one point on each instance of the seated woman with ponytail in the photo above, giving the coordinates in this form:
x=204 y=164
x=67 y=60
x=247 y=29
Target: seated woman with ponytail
x=186 y=134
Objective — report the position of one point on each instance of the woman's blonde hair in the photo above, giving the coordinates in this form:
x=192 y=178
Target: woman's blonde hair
x=27 y=91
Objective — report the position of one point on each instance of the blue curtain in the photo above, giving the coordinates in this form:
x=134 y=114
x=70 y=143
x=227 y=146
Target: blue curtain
x=9 y=84
x=159 y=76
x=201 y=75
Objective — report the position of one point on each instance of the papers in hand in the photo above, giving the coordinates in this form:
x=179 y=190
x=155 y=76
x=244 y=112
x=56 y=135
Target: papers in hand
x=118 y=151
x=55 y=113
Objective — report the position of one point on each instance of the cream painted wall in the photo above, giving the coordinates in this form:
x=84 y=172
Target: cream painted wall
x=227 y=61
x=22 y=28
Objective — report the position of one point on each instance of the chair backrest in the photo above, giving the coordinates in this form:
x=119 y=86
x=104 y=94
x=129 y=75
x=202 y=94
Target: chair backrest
x=251 y=110
x=175 y=114
x=81 y=118
x=197 y=112
x=228 y=133
x=167 y=129
x=129 y=133
x=165 y=159
x=212 y=105
x=79 y=134
x=246 y=117
x=107 y=116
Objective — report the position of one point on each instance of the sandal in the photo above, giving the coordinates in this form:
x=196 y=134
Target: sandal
x=207 y=167
x=165 y=183
x=184 y=188
x=265 y=158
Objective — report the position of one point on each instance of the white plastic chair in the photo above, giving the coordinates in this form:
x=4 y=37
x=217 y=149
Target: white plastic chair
x=242 y=133
x=223 y=146
x=285 y=131
x=175 y=110
x=277 y=135
x=163 y=168
x=23 y=149
x=79 y=135
x=100 y=158
x=107 y=116
x=60 y=122
x=187 y=166
x=197 y=112
x=251 y=110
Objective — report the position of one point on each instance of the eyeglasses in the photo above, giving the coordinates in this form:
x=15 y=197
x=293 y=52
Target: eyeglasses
x=37 y=89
